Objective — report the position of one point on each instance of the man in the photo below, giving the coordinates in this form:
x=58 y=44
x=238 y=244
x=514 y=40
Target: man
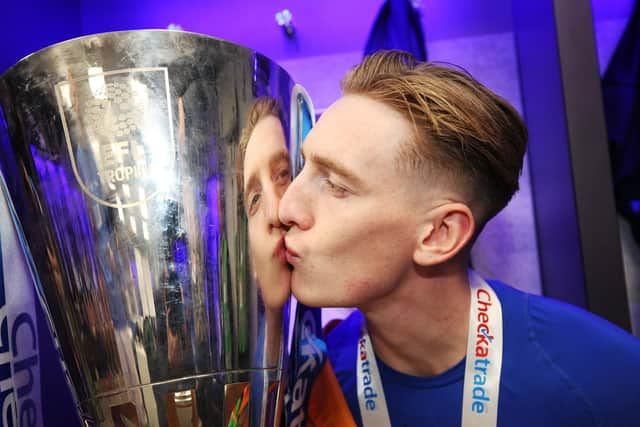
x=265 y=177
x=400 y=176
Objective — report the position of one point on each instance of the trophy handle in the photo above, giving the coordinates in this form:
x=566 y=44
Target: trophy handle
x=303 y=118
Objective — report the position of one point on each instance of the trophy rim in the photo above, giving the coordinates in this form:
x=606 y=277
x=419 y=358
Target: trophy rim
x=41 y=51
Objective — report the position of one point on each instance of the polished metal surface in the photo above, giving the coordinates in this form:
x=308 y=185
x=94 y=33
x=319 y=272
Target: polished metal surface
x=119 y=151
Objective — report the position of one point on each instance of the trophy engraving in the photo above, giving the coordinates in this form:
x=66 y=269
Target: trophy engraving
x=113 y=110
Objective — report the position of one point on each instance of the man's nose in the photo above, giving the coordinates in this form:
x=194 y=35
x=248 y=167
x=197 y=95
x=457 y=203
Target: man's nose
x=295 y=205
x=272 y=202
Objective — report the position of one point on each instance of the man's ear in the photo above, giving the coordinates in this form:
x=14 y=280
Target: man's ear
x=447 y=231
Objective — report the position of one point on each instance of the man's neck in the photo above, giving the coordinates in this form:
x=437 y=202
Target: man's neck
x=421 y=328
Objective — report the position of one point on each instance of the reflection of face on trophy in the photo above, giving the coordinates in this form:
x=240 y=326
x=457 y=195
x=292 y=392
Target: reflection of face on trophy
x=266 y=175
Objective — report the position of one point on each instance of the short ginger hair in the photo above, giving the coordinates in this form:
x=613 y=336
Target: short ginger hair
x=462 y=132
x=262 y=107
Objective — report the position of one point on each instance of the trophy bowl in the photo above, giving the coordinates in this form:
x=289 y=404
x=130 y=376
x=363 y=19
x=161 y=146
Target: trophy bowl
x=120 y=156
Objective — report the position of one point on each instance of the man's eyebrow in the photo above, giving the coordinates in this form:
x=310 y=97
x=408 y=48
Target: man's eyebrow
x=333 y=166
x=278 y=157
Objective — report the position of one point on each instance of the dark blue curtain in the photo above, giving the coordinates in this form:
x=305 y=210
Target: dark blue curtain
x=398 y=26
x=621 y=92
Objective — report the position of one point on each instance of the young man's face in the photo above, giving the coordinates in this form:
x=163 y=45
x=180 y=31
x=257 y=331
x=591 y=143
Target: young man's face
x=266 y=176
x=354 y=215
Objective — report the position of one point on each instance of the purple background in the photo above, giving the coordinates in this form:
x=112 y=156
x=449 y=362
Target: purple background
x=324 y=27
x=330 y=36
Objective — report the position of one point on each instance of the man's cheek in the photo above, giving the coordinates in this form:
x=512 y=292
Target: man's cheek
x=359 y=289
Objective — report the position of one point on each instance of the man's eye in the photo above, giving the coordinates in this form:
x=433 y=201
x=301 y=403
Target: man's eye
x=254 y=199
x=335 y=189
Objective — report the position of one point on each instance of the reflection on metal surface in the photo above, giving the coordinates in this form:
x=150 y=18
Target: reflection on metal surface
x=124 y=415
x=126 y=127
x=182 y=409
x=183 y=398
x=120 y=157
x=235 y=401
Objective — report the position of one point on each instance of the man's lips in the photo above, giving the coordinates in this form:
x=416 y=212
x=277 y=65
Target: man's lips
x=291 y=254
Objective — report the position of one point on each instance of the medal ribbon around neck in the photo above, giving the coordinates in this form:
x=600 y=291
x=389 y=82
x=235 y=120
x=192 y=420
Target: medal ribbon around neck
x=482 y=367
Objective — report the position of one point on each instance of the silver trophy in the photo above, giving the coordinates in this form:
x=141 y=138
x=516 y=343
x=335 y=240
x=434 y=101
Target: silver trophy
x=120 y=153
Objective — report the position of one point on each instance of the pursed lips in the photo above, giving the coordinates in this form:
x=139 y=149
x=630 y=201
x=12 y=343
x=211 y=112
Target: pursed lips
x=292 y=256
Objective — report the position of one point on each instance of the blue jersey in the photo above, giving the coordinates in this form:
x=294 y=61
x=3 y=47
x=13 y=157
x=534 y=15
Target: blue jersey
x=562 y=366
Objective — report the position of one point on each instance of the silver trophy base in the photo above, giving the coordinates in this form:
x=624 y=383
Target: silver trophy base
x=206 y=400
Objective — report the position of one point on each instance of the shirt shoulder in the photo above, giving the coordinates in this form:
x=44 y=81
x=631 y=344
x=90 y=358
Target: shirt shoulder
x=567 y=359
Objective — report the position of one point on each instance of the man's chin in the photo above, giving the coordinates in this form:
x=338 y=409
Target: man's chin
x=308 y=301
x=304 y=293
x=312 y=299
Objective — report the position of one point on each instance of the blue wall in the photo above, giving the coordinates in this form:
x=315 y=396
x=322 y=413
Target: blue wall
x=324 y=27
x=29 y=25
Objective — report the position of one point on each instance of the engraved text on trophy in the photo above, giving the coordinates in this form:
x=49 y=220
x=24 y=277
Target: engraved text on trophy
x=118 y=131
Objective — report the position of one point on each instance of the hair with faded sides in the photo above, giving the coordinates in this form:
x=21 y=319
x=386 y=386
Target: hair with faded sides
x=463 y=134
